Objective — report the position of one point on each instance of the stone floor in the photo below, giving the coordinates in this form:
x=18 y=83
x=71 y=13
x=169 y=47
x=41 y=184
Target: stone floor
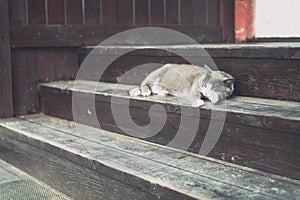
x=16 y=185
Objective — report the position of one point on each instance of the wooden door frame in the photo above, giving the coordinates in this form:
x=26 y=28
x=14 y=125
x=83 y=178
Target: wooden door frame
x=6 y=100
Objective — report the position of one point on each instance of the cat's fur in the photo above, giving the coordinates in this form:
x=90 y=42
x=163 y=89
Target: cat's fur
x=188 y=81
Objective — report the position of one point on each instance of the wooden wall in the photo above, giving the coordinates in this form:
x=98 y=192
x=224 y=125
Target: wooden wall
x=45 y=36
x=6 y=106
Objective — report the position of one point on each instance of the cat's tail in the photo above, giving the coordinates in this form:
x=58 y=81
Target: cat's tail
x=135 y=92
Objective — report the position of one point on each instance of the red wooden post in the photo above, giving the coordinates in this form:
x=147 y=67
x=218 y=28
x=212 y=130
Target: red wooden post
x=6 y=102
x=244 y=20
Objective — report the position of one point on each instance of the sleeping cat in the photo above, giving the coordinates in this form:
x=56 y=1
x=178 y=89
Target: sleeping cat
x=187 y=81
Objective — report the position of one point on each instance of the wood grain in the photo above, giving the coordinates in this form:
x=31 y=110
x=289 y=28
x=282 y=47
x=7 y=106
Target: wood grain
x=254 y=128
x=6 y=101
x=111 y=166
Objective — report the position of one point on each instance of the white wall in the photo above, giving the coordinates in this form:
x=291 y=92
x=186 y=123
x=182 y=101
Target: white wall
x=277 y=18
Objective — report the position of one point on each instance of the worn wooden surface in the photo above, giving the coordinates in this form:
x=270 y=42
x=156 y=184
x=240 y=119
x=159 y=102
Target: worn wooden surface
x=32 y=66
x=109 y=166
x=255 y=129
x=261 y=70
x=15 y=184
x=6 y=101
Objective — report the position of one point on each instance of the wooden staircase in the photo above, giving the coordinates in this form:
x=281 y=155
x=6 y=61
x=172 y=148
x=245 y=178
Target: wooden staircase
x=256 y=156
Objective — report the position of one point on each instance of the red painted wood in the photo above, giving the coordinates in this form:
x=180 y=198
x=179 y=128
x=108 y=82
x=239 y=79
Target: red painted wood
x=74 y=11
x=244 y=19
x=142 y=12
x=124 y=12
x=6 y=101
x=36 y=12
x=56 y=13
x=109 y=8
x=92 y=12
x=157 y=16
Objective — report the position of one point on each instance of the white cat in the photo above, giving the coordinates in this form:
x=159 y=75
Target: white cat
x=188 y=81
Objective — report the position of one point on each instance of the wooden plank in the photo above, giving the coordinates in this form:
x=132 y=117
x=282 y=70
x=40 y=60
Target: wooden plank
x=172 y=12
x=187 y=12
x=33 y=66
x=36 y=12
x=18 y=12
x=213 y=12
x=76 y=35
x=249 y=124
x=199 y=12
x=56 y=11
x=263 y=77
x=157 y=12
x=6 y=101
x=227 y=19
x=261 y=70
x=92 y=12
x=25 y=81
x=142 y=12
x=135 y=166
x=109 y=8
x=125 y=12
x=74 y=11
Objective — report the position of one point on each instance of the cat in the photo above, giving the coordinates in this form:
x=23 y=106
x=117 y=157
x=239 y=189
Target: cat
x=188 y=81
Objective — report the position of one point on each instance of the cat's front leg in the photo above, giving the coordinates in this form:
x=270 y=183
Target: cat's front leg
x=197 y=103
x=145 y=91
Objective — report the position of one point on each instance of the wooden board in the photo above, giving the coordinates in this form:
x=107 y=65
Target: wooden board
x=6 y=101
x=249 y=123
x=76 y=35
x=115 y=166
x=39 y=65
x=261 y=70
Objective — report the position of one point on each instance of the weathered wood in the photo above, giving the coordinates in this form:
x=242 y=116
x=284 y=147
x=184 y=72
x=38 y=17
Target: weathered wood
x=109 y=12
x=261 y=126
x=36 y=12
x=17 y=12
x=261 y=70
x=92 y=12
x=74 y=12
x=56 y=12
x=32 y=66
x=142 y=12
x=76 y=35
x=157 y=12
x=109 y=166
x=124 y=12
x=6 y=101
x=187 y=12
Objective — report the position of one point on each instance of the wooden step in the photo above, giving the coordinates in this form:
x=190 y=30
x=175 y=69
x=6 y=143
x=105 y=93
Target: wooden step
x=270 y=70
x=97 y=164
x=17 y=185
x=258 y=133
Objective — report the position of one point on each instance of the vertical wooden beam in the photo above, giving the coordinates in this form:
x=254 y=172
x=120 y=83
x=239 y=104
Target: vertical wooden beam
x=6 y=101
x=244 y=19
x=227 y=19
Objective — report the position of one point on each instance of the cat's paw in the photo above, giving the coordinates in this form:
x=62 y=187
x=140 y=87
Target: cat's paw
x=134 y=92
x=146 y=92
x=197 y=103
x=214 y=98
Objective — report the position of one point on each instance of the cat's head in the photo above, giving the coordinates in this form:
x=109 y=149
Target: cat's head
x=217 y=86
